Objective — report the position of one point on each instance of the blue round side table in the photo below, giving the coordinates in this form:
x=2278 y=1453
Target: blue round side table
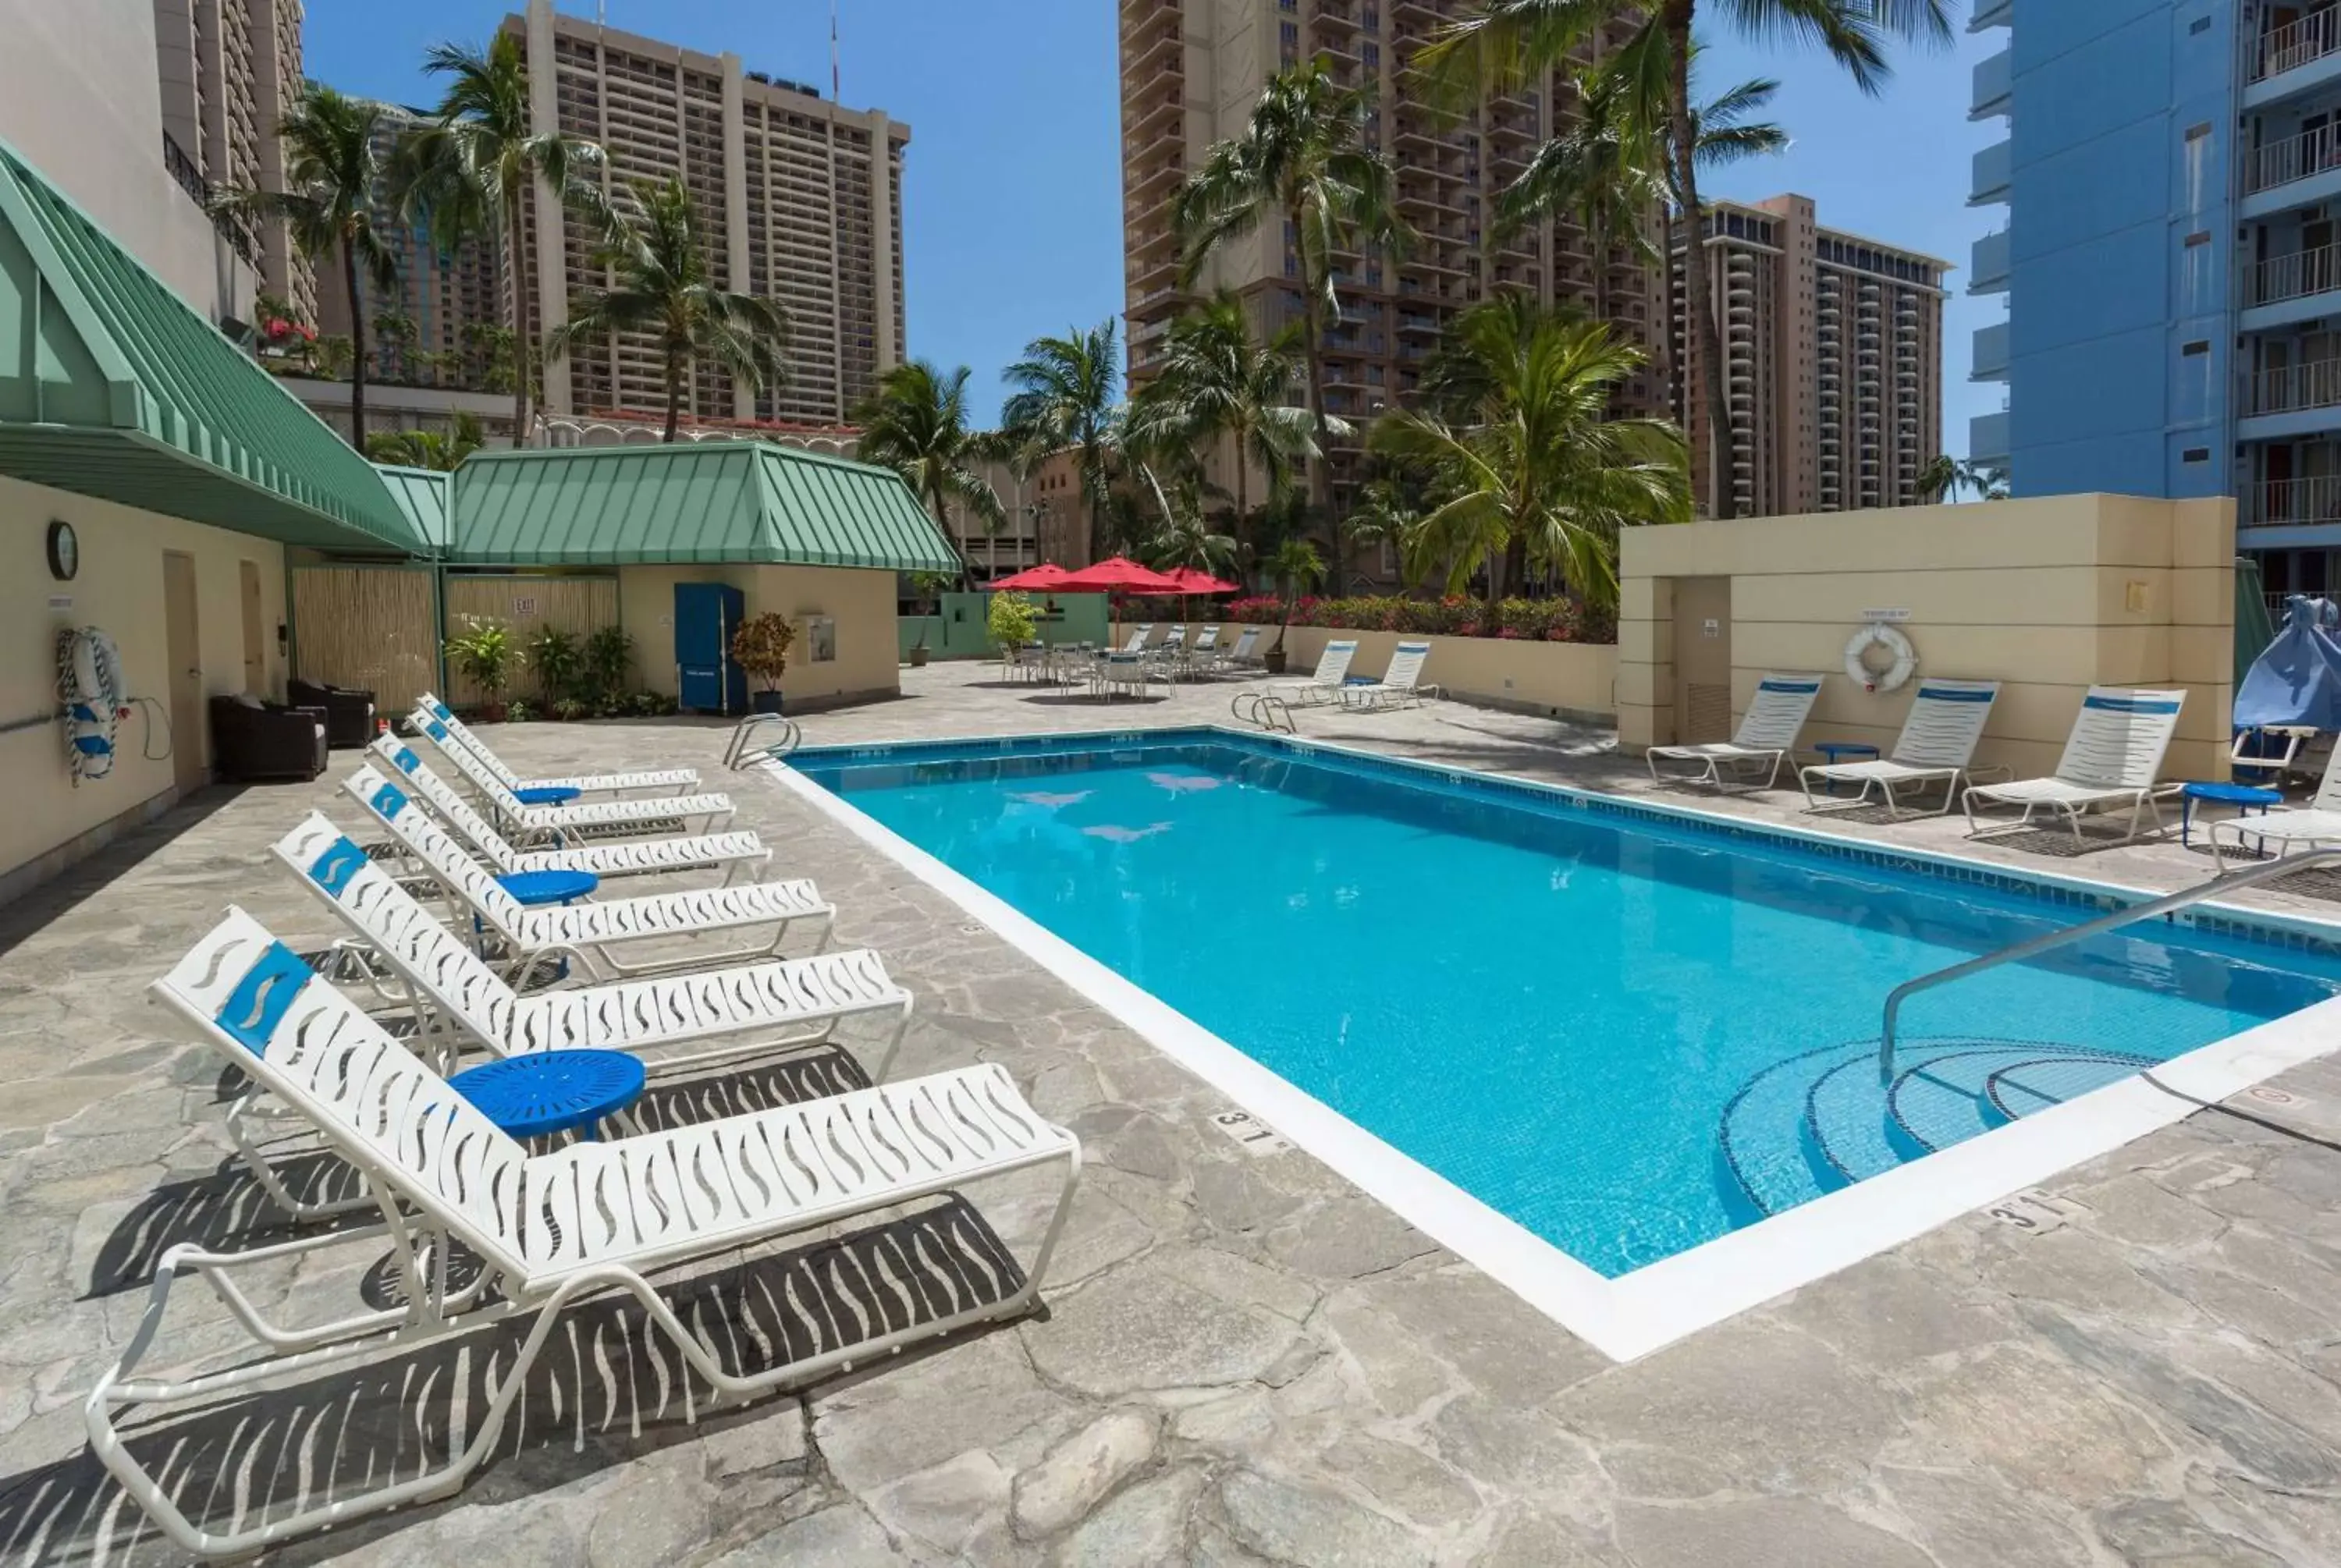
x=535 y=887
x=548 y=795
x=2242 y=797
x=1836 y=751
x=549 y=1092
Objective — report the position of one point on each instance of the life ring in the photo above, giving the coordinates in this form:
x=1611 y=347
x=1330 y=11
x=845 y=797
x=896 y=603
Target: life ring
x=1878 y=634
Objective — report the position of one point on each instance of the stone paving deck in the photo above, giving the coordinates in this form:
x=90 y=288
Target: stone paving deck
x=1242 y=1360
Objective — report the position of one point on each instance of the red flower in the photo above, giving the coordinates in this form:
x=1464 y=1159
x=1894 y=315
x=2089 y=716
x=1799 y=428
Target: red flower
x=278 y=326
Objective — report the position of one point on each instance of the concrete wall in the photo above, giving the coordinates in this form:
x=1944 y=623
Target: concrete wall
x=1577 y=679
x=860 y=601
x=2050 y=596
x=119 y=590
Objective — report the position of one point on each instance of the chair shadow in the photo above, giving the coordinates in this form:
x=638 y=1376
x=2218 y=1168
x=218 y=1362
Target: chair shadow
x=1083 y=698
x=607 y=1386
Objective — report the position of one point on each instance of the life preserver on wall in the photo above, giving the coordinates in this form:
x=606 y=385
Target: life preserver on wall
x=1879 y=634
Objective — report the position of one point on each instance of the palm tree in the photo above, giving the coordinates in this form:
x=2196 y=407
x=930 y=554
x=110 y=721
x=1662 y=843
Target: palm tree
x=915 y=422
x=1215 y=381
x=1387 y=514
x=1510 y=41
x=333 y=162
x=439 y=450
x=1294 y=566
x=1064 y=397
x=665 y=291
x=1945 y=476
x=1303 y=160
x=1536 y=463
x=476 y=166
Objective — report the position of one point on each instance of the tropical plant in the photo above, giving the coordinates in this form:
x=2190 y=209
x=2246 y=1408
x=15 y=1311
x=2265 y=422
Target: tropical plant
x=1509 y=42
x=1293 y=564
x=761 y=647
x=604 y=661
x=569 y=710
x=441 y=450
x=558 y=661
x=518 y=712
x=1945 y=476
x=915 y=422
x=1386 y=514
x=1012 y=621
x=1303 y=160
x=393 y=334
x=1215 y=381
x=333 y=148
x=1530 y=471
x=1064 y=397
x=485 y=653
x=665 y=289
x=478 y=164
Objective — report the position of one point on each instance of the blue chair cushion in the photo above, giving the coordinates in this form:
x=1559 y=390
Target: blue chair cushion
x=549 y=1092
x=547 y=795
x=535 y=887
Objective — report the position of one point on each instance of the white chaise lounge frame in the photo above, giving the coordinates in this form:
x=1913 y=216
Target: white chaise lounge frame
x=1766 y=734
x=2112 y=757
x=1401 y=684
x=675 y=780
x=2300 y=828
x=1325 y=685
x=698 y=813
x=1937 y=746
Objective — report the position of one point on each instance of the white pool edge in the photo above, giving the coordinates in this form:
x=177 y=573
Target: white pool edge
x=1657 y=1305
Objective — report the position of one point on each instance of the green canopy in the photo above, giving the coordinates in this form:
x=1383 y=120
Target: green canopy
x=2254 y=628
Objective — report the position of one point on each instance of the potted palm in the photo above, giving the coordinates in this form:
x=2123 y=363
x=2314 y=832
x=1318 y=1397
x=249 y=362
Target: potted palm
x=928 y=586
x=761 y=647
x=485 y=654
x=1295 y=565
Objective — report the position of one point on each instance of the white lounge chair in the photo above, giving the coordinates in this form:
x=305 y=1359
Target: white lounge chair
x=2111 y=758
x=683 y=1021
x=1937 y=742
x=1325 y=686
x=2306 y=827
x=675 y=780
x=707 y=812
x=590 y=932
x=548 y=1230
x=1243 y=656
x=1203 y=652
x=740 y=854
x=1138 y=636
x=1766 y=734
x=1399 y=686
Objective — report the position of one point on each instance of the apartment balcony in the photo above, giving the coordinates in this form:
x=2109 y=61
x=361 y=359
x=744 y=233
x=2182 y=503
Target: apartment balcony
x=1988 y=439
x=1335 y=18
x=1991 y=175
x=2292 y=502
x=2298 y=57
x=2291 y=402
x=1150 y=185
x=1150 y=120
x=2293 y=170
x=1165 y=298
x=2298 y=287
x=1990 y=354
x=1149 y=52
x=1992 y=87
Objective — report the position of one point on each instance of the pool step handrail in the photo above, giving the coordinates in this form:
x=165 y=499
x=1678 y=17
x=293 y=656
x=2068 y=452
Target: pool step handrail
x=2032 y=947
x=735 y=751
x=1265 y=709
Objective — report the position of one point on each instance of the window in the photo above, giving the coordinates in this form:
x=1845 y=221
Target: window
x=2200 y=24
x=1288 y=34
x=2197 y=132
x=1371 y=53
x=2198 y=347
x=2199 y=237
x=2195 y=454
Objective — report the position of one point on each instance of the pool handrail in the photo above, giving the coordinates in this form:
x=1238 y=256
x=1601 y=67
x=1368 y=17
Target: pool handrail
x=2225 y=881
x=736 y=750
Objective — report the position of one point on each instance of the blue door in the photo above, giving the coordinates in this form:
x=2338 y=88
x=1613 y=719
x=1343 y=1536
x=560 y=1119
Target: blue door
x=707 y=681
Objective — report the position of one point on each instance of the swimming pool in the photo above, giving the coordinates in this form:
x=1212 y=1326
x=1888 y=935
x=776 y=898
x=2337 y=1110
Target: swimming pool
x=1626 y=1030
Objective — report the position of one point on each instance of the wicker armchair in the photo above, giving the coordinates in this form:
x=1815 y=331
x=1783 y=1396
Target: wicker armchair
x=259 y=740
x=349 y=712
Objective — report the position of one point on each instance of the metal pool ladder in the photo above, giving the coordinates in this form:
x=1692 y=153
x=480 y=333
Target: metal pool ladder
x=736 y=751
x=2034 y=946
x=1265 y=709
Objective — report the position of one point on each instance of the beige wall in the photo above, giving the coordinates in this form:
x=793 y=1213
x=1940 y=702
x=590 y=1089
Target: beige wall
x=2050 y=596
x=1577 y=679
x=862 y=602
x=119 y=590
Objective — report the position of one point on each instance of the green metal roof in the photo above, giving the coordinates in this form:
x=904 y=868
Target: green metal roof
x=700 y=502
x=422 y=495
x=110 y=385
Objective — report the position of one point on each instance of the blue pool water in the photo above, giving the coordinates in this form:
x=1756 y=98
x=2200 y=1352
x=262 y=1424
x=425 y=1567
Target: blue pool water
x=1629 y=1035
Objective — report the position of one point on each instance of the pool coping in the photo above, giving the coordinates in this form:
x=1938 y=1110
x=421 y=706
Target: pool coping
x=1663 y=1302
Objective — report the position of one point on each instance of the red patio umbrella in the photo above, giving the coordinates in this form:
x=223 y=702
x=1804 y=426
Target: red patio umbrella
x=1118 y=577
x=1190 y=581
x=1045 y=578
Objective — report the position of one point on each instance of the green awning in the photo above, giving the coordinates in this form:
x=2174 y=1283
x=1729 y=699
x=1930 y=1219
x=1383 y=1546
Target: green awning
x=111 y=386
x=741 y=501
x=422 y=495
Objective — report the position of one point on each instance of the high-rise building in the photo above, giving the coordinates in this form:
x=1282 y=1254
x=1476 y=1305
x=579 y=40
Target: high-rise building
x=2171 y=262
x=1833 y=351
x=1192 y=72
x=230 y=69
x=799 y=199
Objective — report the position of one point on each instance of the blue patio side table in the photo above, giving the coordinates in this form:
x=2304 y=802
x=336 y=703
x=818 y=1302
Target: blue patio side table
x=2242 y=797
x=1836 y=751
x=548 y=1092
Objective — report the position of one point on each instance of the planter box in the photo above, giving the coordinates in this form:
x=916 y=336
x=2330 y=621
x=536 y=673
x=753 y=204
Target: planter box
x=1559 y=679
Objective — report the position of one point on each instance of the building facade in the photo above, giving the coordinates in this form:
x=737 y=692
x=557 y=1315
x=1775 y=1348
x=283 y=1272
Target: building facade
x=799 y=199
x=1192 y=71
x=229 y=70
x=2170 y=262
x=1833 y=350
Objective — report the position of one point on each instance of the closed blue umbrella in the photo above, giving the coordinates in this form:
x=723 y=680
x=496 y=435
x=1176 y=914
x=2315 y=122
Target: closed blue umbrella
x=2297 y=680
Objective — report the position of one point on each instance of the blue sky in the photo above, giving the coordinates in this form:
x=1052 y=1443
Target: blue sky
x=1012 y=201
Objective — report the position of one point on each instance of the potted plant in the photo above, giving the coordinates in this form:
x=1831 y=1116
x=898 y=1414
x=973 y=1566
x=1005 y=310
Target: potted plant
x=559 y=662
x=603 y=663
x=1295 y=566
x=761 y=647
x=485 y=654
x=927 y=588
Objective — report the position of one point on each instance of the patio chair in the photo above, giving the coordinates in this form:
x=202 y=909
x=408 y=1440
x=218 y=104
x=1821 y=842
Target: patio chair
x=254 y=740
x=685 y=1021
x=733 y=853
x=554 y=790
x=1400 y=684
x=348 y=711
x=2111 y=758
x=637 y=814
x=1325 y=686
x=1239 y=657
x=590 y=932
x=547 y=1230
x=2266 y=753
x=2296 y=828
x=1766 y=734
x=1201 y=654
x=1138 y=636
x=1938 y=742
x=1130 y=672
